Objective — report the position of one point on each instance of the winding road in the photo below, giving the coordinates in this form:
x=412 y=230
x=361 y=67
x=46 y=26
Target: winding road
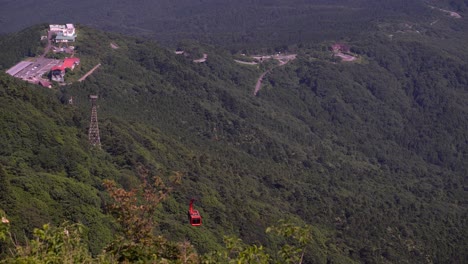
x=283 y=60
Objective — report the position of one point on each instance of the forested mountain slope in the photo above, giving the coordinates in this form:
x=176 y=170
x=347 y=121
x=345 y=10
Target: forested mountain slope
x=238 y=24
x=372 y=154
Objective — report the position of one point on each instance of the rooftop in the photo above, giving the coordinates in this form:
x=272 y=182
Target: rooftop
x=67 y=63
x=61 y=36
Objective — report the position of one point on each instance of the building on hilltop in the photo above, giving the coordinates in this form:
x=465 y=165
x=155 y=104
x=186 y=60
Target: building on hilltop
x=67 y=29
x=64 y=33
x=55 y=28
x=57 y=73
x=60 y=38
x=70 y=63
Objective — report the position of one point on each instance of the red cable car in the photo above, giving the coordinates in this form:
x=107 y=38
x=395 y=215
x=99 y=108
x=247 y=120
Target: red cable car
x=194 y=215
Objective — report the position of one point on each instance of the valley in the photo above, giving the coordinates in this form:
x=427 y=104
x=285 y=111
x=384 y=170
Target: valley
x=332 y=161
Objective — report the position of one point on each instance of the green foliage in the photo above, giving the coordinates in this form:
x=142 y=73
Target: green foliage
x=64 y=244
x=238 y=25
x=134 y=211
x=370 y=154
x=6 y=195
x=237 y=252
x=302 y=236
x=23 y=44
x=53 y=245
x=4 y=226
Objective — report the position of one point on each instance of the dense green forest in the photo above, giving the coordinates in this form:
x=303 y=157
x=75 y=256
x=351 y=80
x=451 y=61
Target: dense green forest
x=237 y=24
x=371 y=156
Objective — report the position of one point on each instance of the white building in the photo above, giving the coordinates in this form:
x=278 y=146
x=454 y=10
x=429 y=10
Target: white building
x=56 y=28
x=64 y=33
x=70 y=30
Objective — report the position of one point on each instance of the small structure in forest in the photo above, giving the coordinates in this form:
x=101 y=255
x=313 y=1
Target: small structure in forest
x=342 y=51
x=45 y=83
x=58 y=72
x=339 y=47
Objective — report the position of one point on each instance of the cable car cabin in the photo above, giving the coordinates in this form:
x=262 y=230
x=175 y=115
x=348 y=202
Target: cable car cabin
x=195 y=218
x=194 y=215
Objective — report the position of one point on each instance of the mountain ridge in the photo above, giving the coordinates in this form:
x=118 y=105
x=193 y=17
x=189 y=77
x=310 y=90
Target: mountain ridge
x=342 y=146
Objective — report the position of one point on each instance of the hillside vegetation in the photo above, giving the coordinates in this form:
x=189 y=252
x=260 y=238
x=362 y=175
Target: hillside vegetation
x=237 y=24
x=372 y=155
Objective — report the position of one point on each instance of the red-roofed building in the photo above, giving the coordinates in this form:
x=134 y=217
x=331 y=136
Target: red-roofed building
x=58 y=72
x=70 y=63
x=57 y=68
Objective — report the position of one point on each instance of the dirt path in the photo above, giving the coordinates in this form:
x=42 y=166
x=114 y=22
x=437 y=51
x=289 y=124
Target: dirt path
x=246 y=62
x=345 y=57
x=203 y=59
x=49 y=44
x=451 y=13
x=89 y=72
x=258 y=86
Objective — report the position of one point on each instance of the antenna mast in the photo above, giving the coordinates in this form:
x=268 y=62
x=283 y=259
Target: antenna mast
x=93 y=134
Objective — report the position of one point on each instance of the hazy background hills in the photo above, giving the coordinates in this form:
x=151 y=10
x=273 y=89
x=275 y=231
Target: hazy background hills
x=372 y=154
x=237 y=24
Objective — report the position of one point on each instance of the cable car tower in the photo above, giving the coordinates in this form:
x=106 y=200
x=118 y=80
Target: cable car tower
x=93 y=134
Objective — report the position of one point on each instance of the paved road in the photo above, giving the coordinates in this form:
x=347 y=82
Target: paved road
x=246 y=62
x=283 y=59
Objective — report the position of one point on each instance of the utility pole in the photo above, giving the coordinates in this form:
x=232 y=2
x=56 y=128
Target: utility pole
x=93 y=134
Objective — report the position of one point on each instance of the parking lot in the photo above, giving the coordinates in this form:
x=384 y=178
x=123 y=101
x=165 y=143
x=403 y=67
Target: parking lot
x=37 y=68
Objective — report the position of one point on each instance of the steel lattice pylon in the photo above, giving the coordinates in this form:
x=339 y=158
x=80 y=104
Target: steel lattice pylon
x=93 y=134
